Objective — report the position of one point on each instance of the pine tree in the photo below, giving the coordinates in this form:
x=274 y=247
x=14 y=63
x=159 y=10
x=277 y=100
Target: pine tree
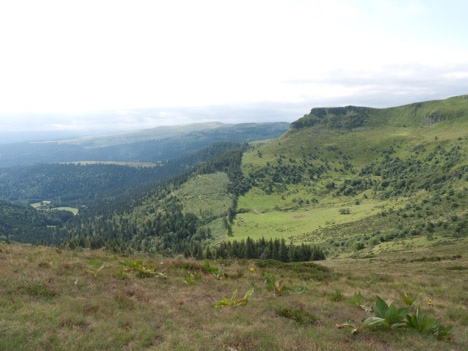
x=208 y=254
x=249 y=251
x=283 y=252
x=266 y=254
x=274 y=252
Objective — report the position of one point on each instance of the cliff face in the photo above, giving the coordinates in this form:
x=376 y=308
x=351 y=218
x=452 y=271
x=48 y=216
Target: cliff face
x=420 y=114
x=340 y=118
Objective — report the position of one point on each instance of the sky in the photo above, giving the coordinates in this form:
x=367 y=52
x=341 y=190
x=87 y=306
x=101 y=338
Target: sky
x=88 y=66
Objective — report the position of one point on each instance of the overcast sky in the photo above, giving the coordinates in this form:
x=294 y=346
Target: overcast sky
x=103 y=65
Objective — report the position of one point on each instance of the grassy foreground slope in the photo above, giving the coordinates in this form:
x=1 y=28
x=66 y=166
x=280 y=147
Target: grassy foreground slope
x=51 y=300
x=356 y=179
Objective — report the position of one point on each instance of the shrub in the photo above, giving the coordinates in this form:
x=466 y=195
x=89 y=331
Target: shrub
x=300 y=316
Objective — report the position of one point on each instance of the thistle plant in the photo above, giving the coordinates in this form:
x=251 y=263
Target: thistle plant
x=274 y=284
x=99 y=267
x=407 y=299
x=121 y=274
x=235 y=302
x=385 y=316
x=191 y=278
x=215 y=271
x=391 y=317
x=423 y=323
x=358 y=300
x=142 y=270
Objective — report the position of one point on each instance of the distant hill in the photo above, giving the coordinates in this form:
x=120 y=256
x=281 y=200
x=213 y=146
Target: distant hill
x=157 y=144
x=420 y=114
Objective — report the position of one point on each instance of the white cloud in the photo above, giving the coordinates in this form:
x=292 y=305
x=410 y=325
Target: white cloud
x=85 y=57
x=456 y=75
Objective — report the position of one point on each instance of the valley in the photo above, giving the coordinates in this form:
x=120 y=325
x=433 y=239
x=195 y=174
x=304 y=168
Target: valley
x=353 y=180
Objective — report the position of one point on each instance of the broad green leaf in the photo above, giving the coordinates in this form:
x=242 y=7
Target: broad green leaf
x=372 y=322
x=380 y=307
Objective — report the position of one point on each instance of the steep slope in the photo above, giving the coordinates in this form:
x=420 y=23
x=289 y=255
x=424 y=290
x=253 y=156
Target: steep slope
x=25 y=224
x=361 y=179
x=419 y=114
x=84 y=183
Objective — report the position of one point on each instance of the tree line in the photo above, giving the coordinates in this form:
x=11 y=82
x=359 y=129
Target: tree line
x=257 y=249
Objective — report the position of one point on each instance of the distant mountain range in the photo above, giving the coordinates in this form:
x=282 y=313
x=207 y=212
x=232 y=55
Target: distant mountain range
x=151 y=145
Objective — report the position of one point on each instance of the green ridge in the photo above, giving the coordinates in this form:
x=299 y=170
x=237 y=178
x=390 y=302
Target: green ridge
x=357 y=177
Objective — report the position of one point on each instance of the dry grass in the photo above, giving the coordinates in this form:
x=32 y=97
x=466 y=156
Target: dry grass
x=49 y=302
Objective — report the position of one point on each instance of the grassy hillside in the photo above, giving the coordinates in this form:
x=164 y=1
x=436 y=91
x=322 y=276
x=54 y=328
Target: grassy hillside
x=207 y=196
x=419 y=114
x=361 y=180
x=50 y=299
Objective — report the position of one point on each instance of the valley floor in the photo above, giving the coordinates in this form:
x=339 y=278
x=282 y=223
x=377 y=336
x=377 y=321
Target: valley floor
x=53 y=299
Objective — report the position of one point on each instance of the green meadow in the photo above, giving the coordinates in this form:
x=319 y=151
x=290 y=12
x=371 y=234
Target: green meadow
x=41 y=206
x=205 y=195
x=117 y=163
x=288 y=224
